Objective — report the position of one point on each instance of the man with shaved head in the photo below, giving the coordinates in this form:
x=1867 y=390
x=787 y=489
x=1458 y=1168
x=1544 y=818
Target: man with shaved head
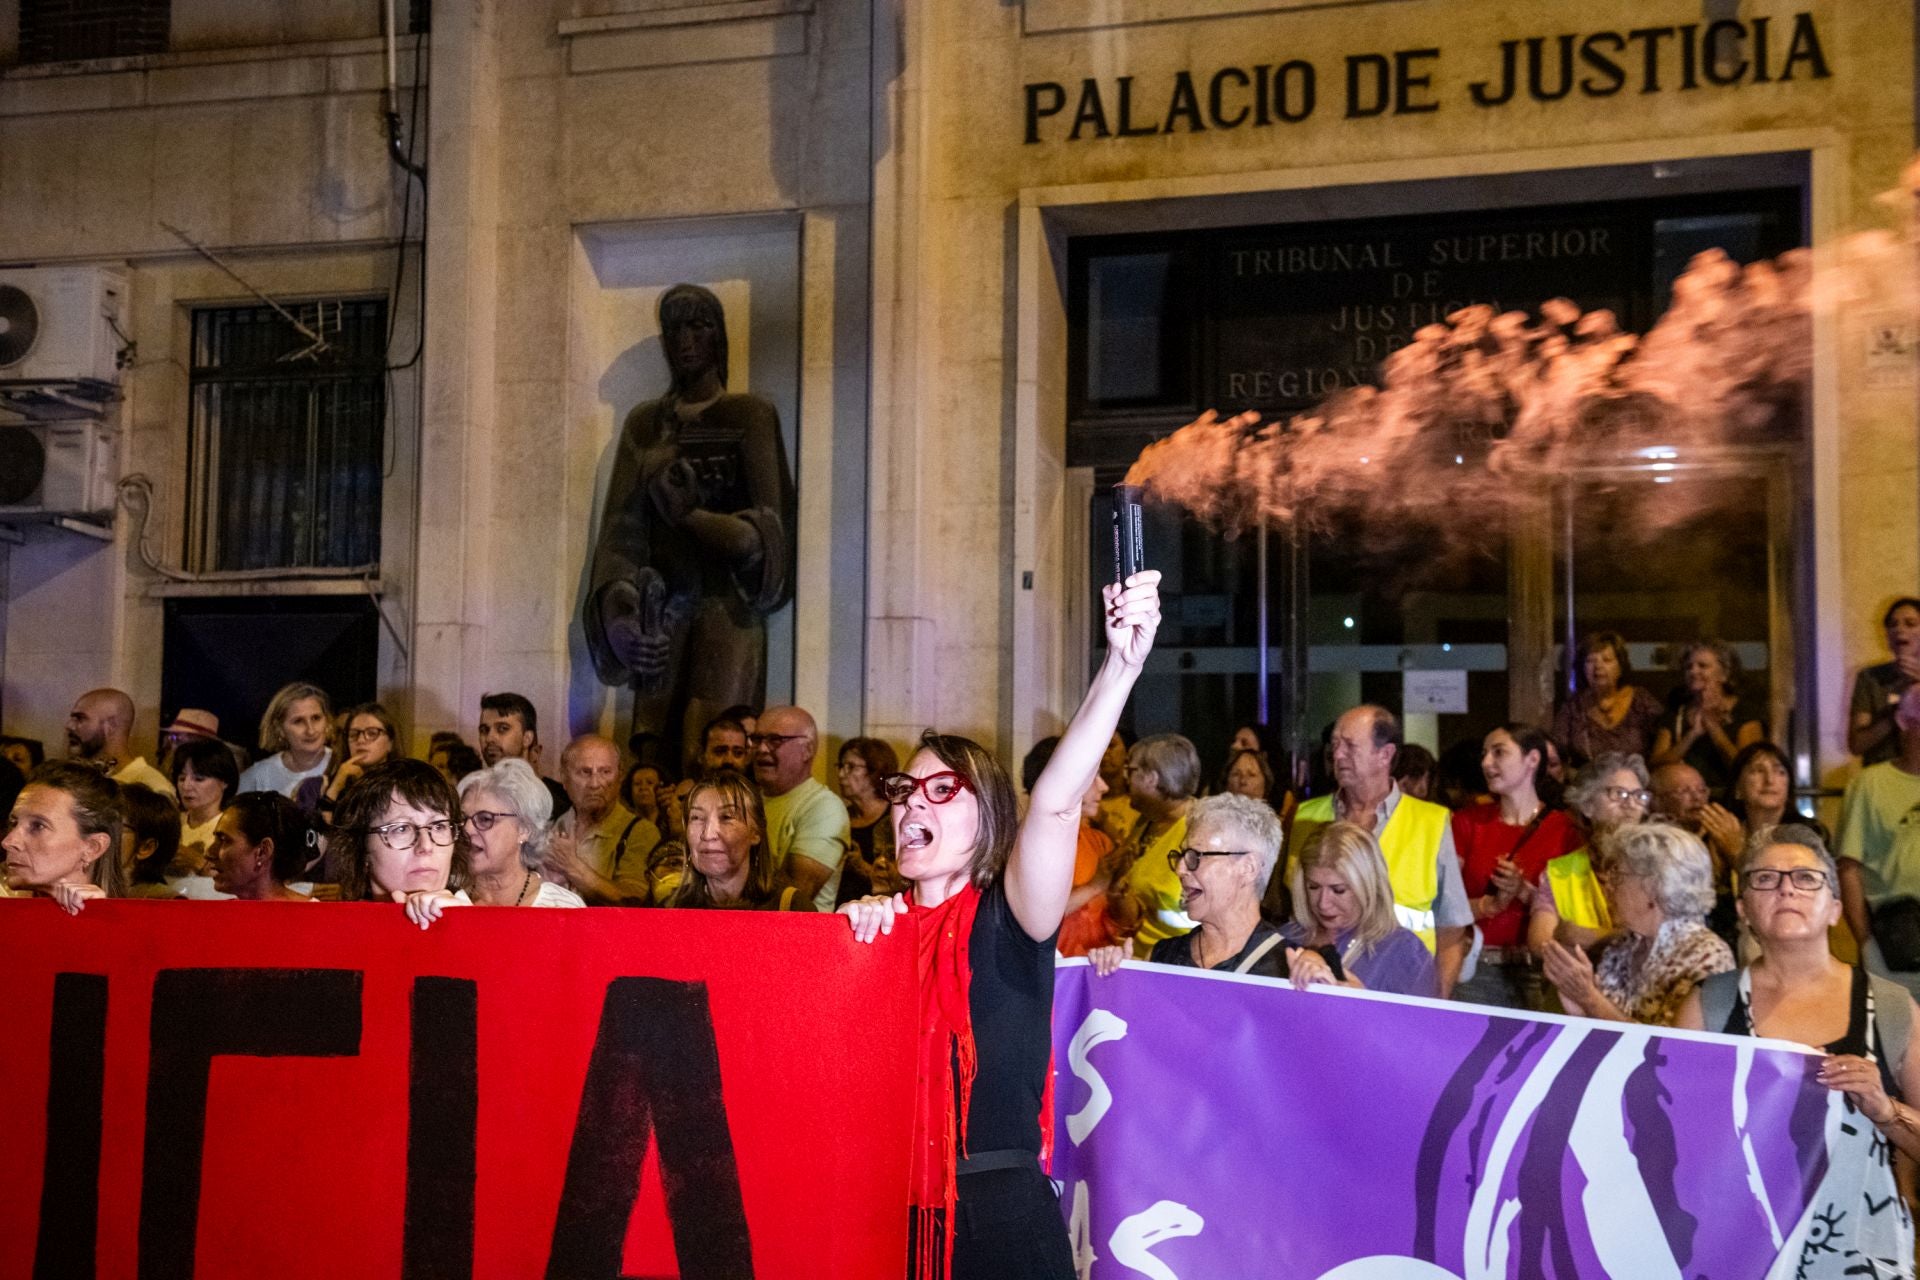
x=600 y=847
x=98 y=729
x=808 y=832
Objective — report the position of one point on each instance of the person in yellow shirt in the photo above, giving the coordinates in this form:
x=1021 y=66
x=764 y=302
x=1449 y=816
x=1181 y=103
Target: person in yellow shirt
x=1163 y=772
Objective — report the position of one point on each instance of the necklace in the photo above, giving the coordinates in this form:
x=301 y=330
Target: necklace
x=524 y=886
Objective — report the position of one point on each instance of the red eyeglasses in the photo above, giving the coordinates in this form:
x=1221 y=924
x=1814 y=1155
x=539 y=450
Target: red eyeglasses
x=898 y=788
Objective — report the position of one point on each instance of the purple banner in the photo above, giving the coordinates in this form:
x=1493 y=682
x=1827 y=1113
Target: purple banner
x=1219 y=1126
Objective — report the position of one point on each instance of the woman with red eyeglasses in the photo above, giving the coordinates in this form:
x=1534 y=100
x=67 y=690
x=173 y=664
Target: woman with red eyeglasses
x=989 y=893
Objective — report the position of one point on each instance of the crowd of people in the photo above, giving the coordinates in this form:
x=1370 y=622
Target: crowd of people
x=1633 y=861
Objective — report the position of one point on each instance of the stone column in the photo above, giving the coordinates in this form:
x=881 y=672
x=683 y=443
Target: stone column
x=453 y=551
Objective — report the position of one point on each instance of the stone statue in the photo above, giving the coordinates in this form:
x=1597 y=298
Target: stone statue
x=696 y=539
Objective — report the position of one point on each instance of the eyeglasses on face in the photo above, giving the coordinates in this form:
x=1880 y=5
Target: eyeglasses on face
x=481 y=821
x=366 y=735
x=1639 y=795
x=400 y=836
x=774 y=740
x=1189 y=859
x=941 y=787
x=1805 y=879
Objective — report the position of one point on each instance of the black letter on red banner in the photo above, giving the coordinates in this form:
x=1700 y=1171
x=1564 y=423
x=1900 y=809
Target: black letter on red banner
x=655 y=1070
x=443 y=1101
x=199 y=1014
x=70 y=1178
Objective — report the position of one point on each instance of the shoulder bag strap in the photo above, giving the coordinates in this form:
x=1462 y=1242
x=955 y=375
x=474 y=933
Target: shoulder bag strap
x=1257 y=954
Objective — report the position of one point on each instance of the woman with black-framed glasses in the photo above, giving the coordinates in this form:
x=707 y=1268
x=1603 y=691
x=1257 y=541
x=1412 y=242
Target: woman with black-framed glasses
x=989 y=893
x=1797 y=990
x=505 y=809
x=401 y=834
x=1232 y=844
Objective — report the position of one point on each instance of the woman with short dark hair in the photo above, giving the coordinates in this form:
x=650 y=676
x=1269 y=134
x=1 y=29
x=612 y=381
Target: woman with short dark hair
x=1871 y=732
x=149 y=839
x=261 y=844
x=1606 y=711
x=401 y=838
x=63 y=837
x=205 y=777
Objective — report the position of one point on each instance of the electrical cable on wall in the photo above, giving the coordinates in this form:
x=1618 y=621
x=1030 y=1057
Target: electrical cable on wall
x=135 y=492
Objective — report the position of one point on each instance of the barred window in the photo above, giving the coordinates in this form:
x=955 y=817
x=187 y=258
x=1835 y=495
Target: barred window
x=287 y=436
x=71 y=30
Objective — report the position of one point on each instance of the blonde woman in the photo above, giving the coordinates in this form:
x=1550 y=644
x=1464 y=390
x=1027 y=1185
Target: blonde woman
x=293 y=734
x=1342 y=899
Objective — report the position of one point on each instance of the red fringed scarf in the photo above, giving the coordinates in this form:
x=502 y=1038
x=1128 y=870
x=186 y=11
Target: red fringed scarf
x=946 y=1047
x=947 y=1062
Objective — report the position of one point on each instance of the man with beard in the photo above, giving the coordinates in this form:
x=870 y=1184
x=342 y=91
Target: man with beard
x=98 y=729
x=510 y=729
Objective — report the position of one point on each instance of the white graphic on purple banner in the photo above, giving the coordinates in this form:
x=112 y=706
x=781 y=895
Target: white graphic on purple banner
x=1212 y=1125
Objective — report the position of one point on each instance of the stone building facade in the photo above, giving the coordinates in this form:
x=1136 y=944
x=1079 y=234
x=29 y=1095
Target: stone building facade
x=885 y=196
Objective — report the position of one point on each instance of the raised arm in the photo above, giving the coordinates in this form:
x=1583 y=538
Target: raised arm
x=1040 y=870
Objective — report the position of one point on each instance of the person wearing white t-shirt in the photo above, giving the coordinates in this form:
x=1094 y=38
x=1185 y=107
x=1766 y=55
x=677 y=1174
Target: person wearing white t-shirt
x=293 y=733
x=808 y=832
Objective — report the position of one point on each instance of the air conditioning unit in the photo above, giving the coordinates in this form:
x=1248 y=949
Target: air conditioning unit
x=50 y=470
x=58 y=324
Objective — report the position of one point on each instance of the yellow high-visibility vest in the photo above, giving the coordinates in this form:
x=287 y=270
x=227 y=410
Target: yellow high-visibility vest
x=1410 y=842
x=1576 y=891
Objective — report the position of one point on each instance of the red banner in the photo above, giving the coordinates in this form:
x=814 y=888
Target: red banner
x=223 y=1089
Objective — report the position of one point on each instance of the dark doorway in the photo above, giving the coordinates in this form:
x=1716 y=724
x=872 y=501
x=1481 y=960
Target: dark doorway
x=228 y=656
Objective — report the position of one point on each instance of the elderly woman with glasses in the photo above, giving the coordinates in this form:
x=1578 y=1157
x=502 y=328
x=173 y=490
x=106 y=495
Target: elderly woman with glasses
x=506 y=808
x=1796 y=990
x=1568 y=903
x=1232 y=844
x=1659 y=882
x=401 y=833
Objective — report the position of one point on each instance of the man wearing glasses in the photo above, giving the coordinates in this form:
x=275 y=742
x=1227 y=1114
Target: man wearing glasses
x=808 y=831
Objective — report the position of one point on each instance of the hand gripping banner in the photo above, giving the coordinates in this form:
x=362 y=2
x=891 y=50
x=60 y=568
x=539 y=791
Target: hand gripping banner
x=1213 y=1126
x=226 y=1090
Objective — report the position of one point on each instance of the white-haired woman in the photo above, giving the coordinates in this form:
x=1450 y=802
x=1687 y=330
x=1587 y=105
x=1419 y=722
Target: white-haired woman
x=1232 y=844
x=506 y=808
x=1659 y=881
x=1343 y=900
x=1569 y=904
x=1796 y=990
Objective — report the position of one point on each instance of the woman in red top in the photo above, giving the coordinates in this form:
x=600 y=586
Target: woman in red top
x=1504 y=845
